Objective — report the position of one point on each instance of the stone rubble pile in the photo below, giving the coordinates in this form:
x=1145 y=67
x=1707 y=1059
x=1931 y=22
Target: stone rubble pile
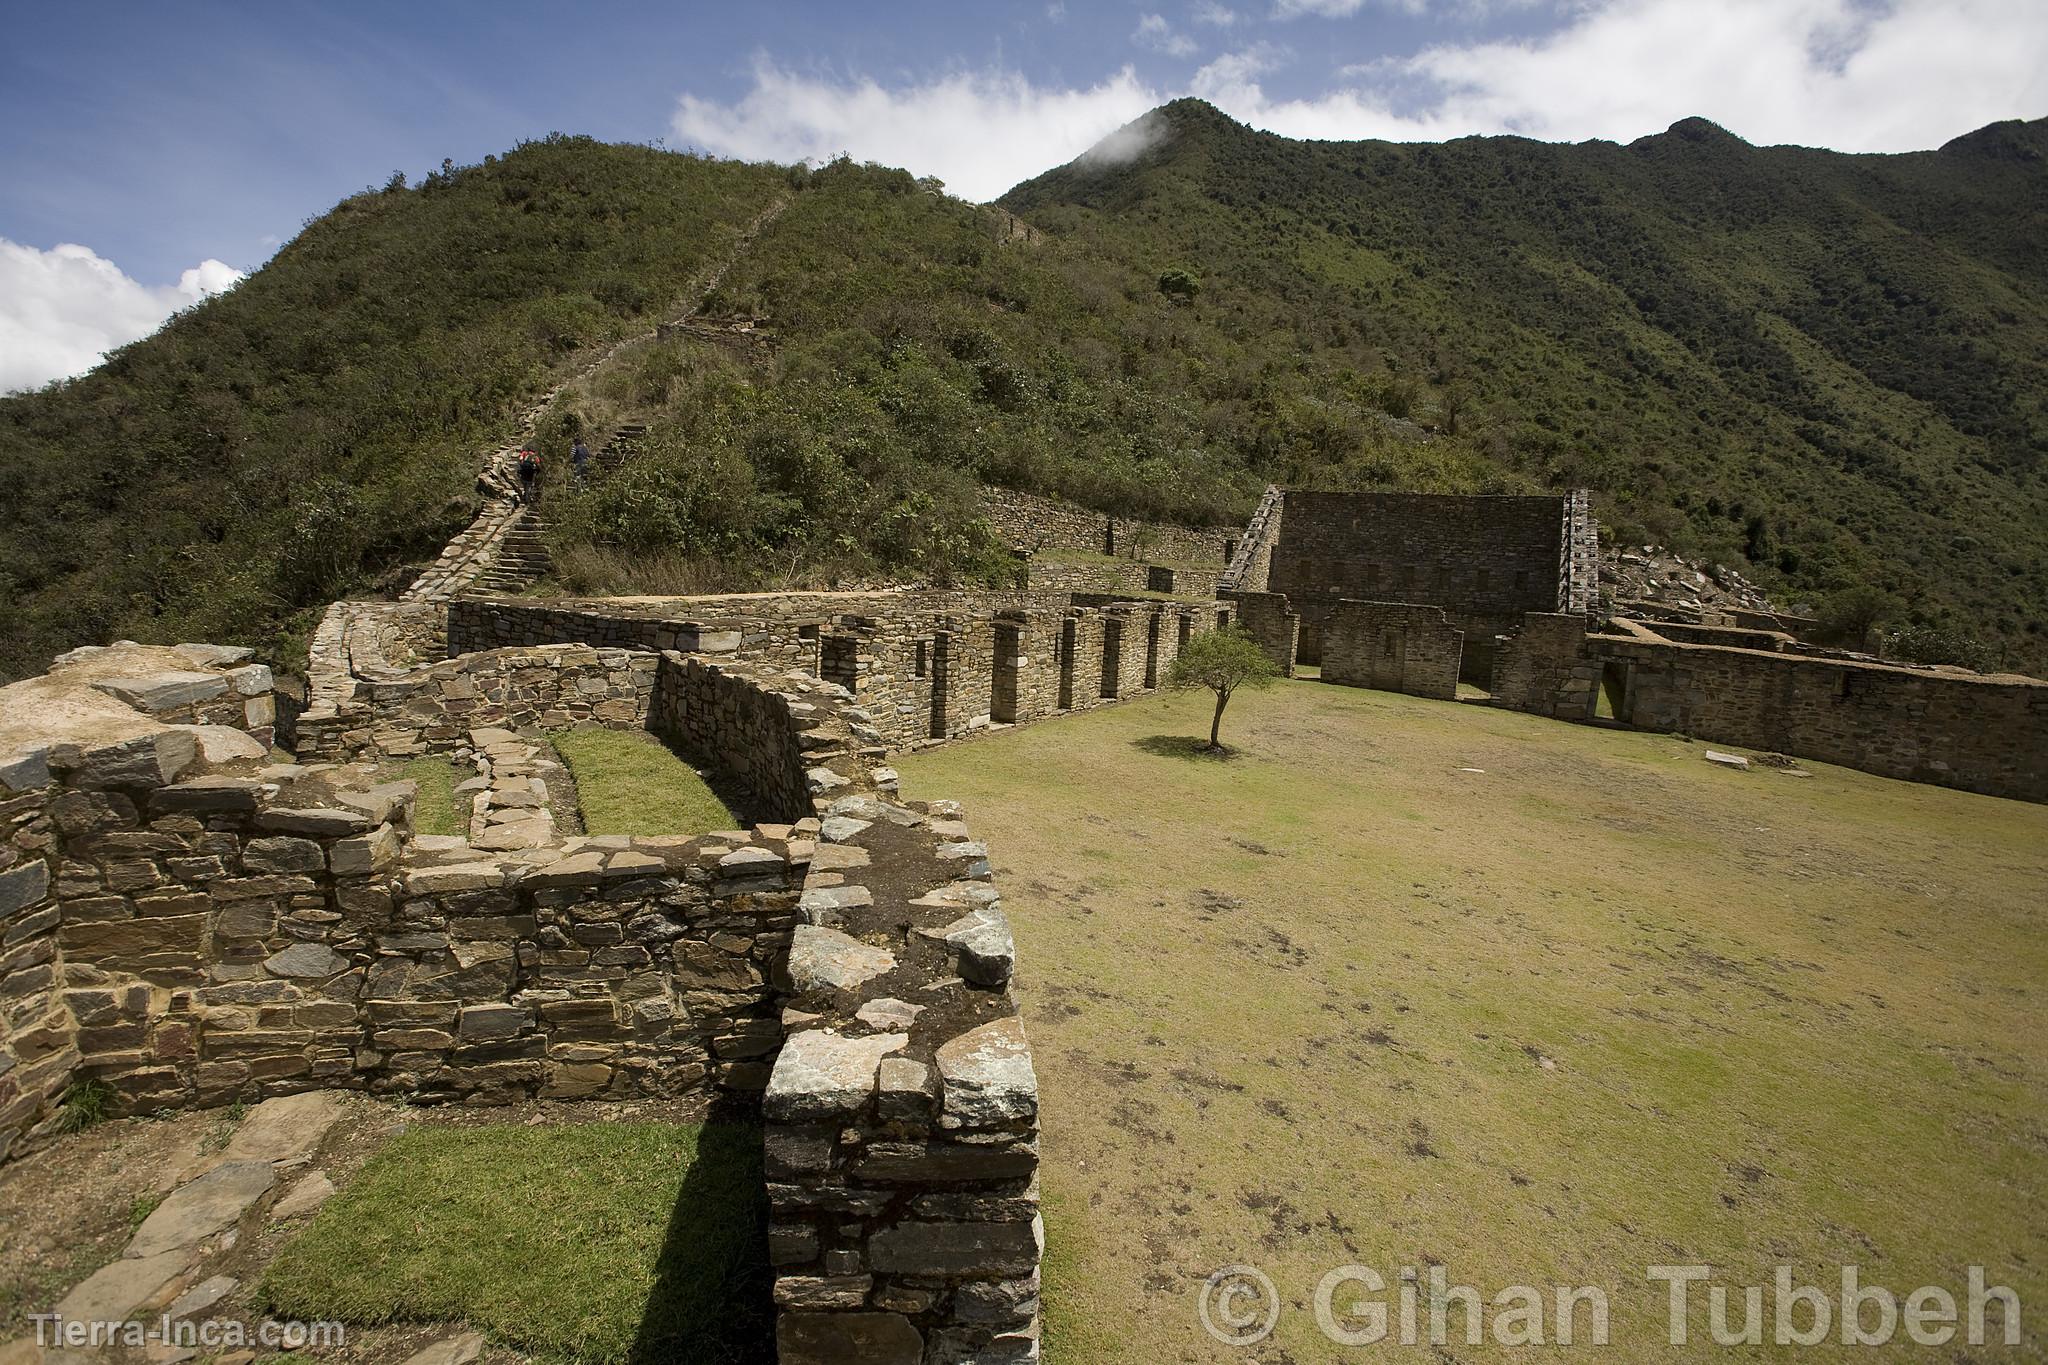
x=1647 y=573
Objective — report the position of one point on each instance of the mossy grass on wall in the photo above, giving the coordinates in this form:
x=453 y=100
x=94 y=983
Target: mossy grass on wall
x=596 y=1243
x=628 y=782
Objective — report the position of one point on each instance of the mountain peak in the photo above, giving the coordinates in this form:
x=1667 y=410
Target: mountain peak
x=1699 y=131
x=2012 y=139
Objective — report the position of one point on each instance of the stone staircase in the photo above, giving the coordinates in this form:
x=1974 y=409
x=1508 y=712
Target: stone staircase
x=522 y=556
x=623 y=446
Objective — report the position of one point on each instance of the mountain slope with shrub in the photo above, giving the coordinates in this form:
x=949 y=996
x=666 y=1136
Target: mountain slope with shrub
x=1833 y=366
x=289 y=441
x=1830 y=366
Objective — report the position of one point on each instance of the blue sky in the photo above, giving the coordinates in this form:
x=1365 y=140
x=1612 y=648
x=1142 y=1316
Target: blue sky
x=150 y=138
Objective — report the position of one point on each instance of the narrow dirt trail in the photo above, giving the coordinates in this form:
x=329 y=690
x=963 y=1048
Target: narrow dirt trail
x=700 y=289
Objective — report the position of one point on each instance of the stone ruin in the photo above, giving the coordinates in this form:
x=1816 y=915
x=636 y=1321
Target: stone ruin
x=207 y=894
x=1421 y=593
x=190 y=918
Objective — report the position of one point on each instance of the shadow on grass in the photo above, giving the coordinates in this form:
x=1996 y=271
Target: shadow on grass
x=712 y=1301
x=746 y=809
x=1185 y=746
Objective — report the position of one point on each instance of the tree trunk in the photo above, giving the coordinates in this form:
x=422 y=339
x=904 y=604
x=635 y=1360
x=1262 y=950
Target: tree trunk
x=1216 y=721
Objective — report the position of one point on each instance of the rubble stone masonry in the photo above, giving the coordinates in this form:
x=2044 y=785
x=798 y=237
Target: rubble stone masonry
x=1392 y=646
x=1980 y=733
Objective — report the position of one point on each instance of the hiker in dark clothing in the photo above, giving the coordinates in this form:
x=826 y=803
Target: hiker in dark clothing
x=579 y=456
x=529 y=476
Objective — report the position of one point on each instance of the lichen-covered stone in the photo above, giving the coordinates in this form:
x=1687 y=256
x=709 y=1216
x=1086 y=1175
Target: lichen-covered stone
x=821 y=1074
x=825 y=959
x=986 y=1076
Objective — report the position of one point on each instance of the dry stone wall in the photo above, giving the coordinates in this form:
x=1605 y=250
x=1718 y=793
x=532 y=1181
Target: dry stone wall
x=1394 y=647
x=902 y=1113
x=432 y=709
x=1031 y=522
x=1980 y=733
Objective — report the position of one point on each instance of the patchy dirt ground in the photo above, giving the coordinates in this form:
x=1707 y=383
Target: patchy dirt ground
x=72 y=1208
x=1414 y=984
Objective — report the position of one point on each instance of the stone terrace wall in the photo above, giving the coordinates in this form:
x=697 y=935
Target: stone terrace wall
x=760 y=729
x=431 y=709
x=1123 y=575
x=1394 y=647
x=1982 y=734
x=902 y=1141
x=1033 y=522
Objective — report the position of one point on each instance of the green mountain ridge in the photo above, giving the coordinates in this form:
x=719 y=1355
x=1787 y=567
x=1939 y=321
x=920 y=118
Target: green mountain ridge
x=1828 y=366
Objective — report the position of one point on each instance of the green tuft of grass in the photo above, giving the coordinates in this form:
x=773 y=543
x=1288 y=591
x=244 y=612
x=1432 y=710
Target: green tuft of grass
x=628 y=782
x=85 y=1103
x=141 y=1207
x=435 y=810
x=592 y=1243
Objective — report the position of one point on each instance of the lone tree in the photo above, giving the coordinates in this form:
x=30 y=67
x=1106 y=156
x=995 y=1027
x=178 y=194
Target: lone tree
x=1222 y=661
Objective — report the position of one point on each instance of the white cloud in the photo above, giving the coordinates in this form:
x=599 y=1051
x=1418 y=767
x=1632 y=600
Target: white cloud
x=1215 y=15
x=63 y=309
x=981 y=132
x=1830 y=73
x=1127 y=143
x=1154 y=32
x=1323 y=9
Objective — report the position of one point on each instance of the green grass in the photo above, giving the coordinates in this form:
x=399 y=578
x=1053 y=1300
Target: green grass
x=435 y=810
x=597 y=1243
x=627 y=782
x=84 y=1104
x=1292 y=1009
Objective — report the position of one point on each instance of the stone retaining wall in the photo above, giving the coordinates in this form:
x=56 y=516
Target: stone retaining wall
x=1980 y=733
x=1032 y=522
x=1394 y=647
x=902 y=1112
x=431 y=709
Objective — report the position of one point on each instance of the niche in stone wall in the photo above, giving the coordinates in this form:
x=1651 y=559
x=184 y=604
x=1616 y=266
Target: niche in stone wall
x=1069 y=631
x=942 y=677
x=1152 y=650
x=839 y=661
x=1002 y=706
x=1112 y=656
x=1614 y=698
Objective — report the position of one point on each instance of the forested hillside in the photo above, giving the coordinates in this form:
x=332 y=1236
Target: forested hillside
x=1830 y=366
x=321 y=423
x=1834 y=366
